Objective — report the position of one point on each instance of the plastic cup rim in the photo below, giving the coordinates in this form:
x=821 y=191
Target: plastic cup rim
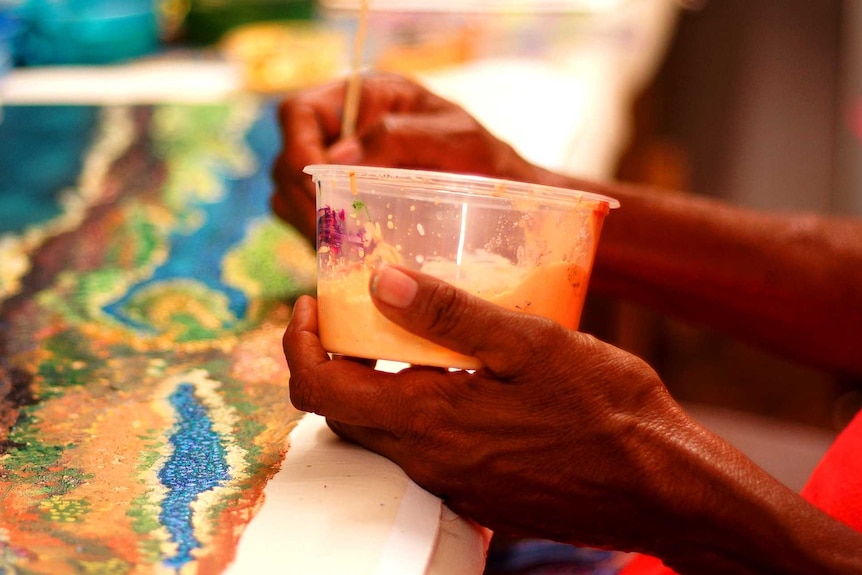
x=457 y=184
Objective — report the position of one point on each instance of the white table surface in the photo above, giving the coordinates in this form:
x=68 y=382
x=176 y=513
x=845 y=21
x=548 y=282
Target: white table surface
x=335 y=508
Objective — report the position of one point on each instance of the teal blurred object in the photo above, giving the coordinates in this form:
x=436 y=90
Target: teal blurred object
x=208 y=20
x=86 y=31
x=42 y=153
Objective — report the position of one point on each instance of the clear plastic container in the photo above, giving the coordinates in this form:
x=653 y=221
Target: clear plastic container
x=525 y=247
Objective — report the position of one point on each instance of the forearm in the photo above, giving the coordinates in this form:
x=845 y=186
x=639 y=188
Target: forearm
x=788 y=282
x=717 y=512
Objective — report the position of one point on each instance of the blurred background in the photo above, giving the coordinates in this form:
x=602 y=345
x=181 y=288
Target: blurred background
x=757 y=103
x=753 y=101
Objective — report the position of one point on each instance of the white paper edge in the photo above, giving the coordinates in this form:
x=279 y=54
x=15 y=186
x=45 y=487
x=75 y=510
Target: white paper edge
x=411 y=542
x=414 y=533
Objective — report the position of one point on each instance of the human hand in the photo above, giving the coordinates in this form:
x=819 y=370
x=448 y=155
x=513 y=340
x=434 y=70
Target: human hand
x=551 y=438
x=559 y=436
x=400 y=124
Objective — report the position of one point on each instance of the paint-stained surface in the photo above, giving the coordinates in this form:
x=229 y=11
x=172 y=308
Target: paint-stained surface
x=144 y=289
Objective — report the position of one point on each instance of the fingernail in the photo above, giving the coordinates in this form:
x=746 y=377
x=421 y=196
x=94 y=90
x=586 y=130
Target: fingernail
x=345 y=152
x=393 y=287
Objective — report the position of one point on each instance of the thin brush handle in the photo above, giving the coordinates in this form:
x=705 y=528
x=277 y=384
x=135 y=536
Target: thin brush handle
x=351 y=97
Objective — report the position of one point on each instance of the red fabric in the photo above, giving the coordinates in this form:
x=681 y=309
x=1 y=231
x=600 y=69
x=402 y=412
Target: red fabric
x=646 y=565
x=835 y=486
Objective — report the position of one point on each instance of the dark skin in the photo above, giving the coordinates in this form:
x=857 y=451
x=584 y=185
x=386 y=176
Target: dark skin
x=560 y=435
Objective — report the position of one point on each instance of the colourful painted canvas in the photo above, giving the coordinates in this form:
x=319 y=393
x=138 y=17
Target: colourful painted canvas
x=144 y=290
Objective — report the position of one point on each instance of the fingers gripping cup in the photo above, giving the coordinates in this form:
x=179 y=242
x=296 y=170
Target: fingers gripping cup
x=522 y=246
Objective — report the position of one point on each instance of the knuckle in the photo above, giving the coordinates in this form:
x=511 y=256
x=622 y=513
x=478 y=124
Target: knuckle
x=530 y=341
x=419 y=413
x=447 y=308
x=303 y=394
x=422 y=427
x=415 y=398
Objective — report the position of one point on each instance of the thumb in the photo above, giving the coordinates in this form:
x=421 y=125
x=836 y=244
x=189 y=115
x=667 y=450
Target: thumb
x=501 y=339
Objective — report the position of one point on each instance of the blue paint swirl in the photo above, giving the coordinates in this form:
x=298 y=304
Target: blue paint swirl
x=199 y=255
x=198 y=464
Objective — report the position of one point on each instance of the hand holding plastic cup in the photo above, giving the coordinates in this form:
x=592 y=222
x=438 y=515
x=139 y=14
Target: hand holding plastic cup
x=525 y=247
